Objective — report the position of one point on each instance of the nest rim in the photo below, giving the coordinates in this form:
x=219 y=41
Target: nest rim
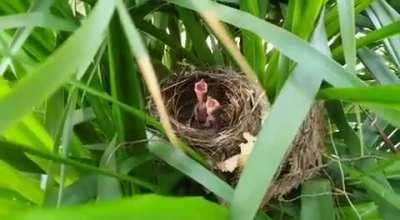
x=243 y=103
x=301 y=161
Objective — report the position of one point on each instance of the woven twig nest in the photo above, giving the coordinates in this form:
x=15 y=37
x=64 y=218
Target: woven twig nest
x=242 y=108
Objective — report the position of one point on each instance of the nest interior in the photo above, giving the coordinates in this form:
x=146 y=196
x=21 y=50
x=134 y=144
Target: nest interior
x=243 y=108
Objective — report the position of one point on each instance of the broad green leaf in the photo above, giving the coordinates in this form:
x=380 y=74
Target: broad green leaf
x=197 y=35
x=50 y=75
x=371 y=37
x=274 y=143
x=124 y=81
x=65 y=141
x=139 y=207
x=7 y=207
x=138 y=113
x=377 y=65
x=317 y=201
x=168 y=40
x=22 y=34
x=385 y=95
x=303 y=16
x=74 y=163
x=54 y=108
x=347 y=30
x=368 y=211
x=19 y=161
x=14 y=180
x=332 y=17
x=354 y=148
x=83 y=190
x=28 y=132
x=36 y=19
x=373 y=185
x=109 y=188
x=140 y=52
x=381 y=14
x=290 y=45
x=252 y=45
x=160 y=21
x=134 y=161
x=192 y=168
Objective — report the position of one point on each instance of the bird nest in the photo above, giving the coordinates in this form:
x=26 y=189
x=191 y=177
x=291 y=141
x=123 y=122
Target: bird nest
x=219 y=113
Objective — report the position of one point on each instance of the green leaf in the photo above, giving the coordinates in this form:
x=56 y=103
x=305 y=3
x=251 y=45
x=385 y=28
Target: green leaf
x=28 y=132
x=14 y=180
x=368 y=211
x=381 y=14
x=74 y=163
x=83 y=190
x=22 y=34
x=19 y=160
x=168 y=40
x=197 y=35
x=50 y=75
x=66 y=133
x=136 y=112
x=378 y=94
x=377 y=65
x=303 y=16
x=252 y=45
x=274 y=143
x=355 y=148
x=332 y=20
x=7 y=207
x=387 y=96
x=139 y=207
x=371 y=37
x=124 y=81
x=348 y=32
x=290 y=45
x=192 y=168
x=373 y=185
x=36 y=19
x=109 y=188
x=316 y=200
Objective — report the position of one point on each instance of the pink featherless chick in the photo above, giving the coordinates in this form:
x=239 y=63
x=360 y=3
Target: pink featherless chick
x=200 y=110
x=212 y=105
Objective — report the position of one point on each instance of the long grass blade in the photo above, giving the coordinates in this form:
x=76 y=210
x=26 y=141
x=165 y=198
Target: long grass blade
x=316 y=200
x=347 y=30
x=144 y=207
x=22 y=34
x=74 y=163
x=193 y=169
x=50 y=75
x=140 y=52
x=274 y=143
x=36 y=19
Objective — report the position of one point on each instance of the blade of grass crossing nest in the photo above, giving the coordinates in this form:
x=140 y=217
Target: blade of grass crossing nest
x=230 y=45
x=143 y=59
x=223 y=35
x=140 y=52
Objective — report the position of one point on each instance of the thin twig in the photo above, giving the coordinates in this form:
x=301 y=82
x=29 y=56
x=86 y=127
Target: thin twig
x=341 y=171
x=380 y=131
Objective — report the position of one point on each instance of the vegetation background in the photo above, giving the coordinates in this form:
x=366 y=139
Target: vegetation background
x=76 y=140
